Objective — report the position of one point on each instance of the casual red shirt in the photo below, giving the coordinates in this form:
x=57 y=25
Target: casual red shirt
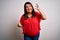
x=31 y=26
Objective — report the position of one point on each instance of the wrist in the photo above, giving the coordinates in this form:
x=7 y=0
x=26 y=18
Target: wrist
x=39 y=9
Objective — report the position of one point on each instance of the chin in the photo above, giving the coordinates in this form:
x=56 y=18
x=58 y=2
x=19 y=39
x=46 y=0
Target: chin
x=29 y=11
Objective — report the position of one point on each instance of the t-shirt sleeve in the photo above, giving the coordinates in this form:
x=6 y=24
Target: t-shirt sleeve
x=38 y=16
x=21 y=19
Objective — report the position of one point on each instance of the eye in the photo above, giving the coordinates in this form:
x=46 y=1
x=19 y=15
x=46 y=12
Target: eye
x=26 y=6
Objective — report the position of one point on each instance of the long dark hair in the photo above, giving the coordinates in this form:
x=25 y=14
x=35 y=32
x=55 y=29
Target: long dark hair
x=26 y=13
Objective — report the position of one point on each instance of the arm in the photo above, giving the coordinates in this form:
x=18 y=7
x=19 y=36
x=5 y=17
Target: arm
x=43 y=16
x=19 y=24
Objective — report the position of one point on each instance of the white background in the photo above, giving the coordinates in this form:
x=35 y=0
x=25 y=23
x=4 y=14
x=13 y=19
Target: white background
x=11 y=11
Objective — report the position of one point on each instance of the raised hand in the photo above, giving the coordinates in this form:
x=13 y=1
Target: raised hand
x=37 y=7
x=42 y=14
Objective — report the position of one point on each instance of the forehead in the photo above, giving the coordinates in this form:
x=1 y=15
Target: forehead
x=28 y=5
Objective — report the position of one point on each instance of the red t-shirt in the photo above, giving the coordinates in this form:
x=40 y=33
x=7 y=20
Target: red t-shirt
x=31 y=26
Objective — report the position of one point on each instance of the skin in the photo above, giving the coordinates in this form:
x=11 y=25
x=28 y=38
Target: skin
x=43 y=16
x=29 y=10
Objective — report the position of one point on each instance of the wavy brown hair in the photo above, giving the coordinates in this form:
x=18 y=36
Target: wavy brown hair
x=26 y=13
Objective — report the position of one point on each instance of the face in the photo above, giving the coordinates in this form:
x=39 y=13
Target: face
x=29 y=8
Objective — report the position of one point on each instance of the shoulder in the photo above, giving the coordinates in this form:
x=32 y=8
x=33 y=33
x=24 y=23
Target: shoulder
x=22 y=16
x=37 y=13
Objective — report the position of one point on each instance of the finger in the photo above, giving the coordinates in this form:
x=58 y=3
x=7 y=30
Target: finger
x=37 y=5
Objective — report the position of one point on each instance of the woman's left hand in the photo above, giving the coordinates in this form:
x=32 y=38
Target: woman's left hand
x=43 y=16
x=37 y=7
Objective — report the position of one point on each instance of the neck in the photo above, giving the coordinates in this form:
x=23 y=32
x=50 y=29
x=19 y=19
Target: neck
x=29 y=13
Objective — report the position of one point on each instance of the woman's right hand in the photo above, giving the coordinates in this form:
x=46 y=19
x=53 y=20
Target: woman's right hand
x=19 y=24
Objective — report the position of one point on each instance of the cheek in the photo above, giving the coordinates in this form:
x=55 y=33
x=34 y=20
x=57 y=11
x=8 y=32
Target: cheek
x=26 y=8
x=30 y=8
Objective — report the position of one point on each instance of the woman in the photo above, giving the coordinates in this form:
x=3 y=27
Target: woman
x=30 y=21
